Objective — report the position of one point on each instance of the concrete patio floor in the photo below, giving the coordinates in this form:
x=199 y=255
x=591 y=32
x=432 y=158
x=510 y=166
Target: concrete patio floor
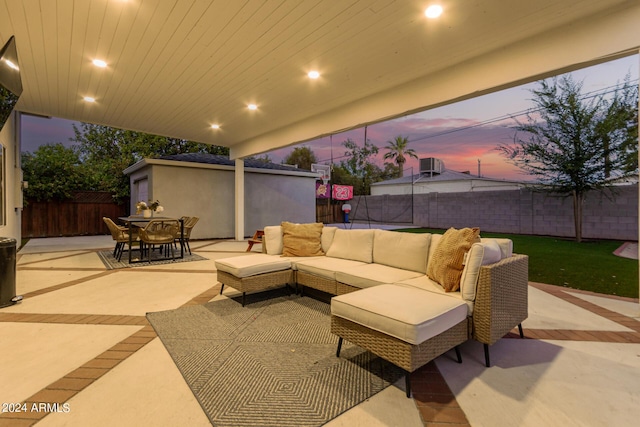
x=80 y=339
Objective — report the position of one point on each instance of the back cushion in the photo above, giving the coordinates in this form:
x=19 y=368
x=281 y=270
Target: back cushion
x=487 y=252
x=302 y=239
x=355 y=245
x=327 y=237
x=407 y=251
x=435 y=240
x=272 y=239
x=505 y=245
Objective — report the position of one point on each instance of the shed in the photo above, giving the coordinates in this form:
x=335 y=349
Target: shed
x=202 y=185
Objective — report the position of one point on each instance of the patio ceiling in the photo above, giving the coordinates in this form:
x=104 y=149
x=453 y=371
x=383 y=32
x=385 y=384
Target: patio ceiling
x=174 y=68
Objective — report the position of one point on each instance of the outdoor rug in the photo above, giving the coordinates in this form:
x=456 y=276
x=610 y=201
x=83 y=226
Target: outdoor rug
x=112 y=263
x=270 y=363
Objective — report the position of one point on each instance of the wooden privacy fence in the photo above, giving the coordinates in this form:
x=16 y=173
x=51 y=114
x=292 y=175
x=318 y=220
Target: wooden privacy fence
x=81 y=216
x=328 y=213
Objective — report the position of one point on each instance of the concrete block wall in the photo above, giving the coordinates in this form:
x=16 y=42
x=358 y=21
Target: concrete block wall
x=384 y=208
x=606 y=215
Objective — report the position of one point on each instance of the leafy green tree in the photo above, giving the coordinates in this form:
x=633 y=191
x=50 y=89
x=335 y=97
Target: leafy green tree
x=397 y=151
x=360 y=166
x=108 y=151
x=301 y=156
x=54 y=172
x=578 y=143
x=262 y=159
x=7 y=102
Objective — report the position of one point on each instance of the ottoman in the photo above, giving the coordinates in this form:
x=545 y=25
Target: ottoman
x=406 y=326
x=253 y=273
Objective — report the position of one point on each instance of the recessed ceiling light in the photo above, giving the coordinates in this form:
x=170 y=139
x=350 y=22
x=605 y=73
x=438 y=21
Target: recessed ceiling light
x=89 y=99
x=252 y=107
x=99 y=63
x=313 y=74
x=433 y=11
x=215 y=126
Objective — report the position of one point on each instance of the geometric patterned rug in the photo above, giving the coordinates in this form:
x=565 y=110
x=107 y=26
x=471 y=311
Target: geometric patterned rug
x=270 y=363
x=112 y=263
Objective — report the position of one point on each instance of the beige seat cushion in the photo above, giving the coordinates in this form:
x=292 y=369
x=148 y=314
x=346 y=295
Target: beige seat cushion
x=446 y=264
x=325 y=266
x=407 y=251
x=252 y=265
x=424 y=283
x=301 y=239
x=406 y=313
x=368 y=275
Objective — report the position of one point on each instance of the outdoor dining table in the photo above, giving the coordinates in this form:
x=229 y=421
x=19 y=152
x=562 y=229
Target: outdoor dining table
x=139 y=219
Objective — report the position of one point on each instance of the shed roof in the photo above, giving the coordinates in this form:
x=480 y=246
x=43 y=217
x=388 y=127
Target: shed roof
x=217 y=159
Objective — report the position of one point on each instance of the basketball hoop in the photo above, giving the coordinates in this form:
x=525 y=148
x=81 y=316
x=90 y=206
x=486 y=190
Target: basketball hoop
x=323 y=171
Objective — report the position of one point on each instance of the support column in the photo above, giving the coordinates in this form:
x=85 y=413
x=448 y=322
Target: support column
x=639 y=185
x=239 y=199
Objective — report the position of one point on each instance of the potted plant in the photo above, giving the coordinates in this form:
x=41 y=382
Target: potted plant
x=148 y=209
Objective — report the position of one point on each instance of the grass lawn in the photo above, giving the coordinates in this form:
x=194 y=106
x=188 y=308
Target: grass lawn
x=590 y=266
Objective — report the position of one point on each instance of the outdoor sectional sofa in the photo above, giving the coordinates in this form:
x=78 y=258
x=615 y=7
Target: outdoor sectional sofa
x=384 y=300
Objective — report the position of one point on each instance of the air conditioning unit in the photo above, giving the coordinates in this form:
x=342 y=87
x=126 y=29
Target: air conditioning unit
x=431 y=165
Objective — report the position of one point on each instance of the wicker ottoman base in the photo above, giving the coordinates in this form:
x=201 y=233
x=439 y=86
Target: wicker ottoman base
x=401 y=353
x=257 y=283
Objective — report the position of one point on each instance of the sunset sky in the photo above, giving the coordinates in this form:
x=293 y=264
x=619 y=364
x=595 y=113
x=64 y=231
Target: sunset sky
x=456 y=133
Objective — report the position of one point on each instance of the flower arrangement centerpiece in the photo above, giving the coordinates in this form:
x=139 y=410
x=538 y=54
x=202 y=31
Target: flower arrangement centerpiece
x=147 y=209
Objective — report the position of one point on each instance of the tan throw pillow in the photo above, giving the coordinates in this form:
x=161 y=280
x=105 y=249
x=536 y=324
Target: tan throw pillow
x=301 y=239
x=445 y=267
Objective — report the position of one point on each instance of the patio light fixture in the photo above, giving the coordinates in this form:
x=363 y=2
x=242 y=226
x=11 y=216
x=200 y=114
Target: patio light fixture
x=433 y=11
x=313 y=74
x=215 y=126
x=99 y=63
x=89 y=99
x=252 y=107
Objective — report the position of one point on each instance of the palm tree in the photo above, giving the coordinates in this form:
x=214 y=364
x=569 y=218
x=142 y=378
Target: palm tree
x=398 y=150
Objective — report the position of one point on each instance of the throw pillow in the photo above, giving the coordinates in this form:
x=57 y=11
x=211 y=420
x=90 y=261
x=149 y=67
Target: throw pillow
x=301 y=239
x=445 y=267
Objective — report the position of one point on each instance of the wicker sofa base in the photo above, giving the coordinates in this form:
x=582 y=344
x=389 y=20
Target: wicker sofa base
x=257 y=283
x=316 y=282
x=405 y=355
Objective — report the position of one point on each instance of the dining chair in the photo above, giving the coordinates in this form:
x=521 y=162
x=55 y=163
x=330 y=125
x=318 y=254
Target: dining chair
x=160 y=232
x=189 y=223
x=121 y=236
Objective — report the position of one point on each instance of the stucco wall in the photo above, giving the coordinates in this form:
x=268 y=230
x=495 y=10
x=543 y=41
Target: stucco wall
x=12 y=199
x=605 y=215
x=208 y=193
